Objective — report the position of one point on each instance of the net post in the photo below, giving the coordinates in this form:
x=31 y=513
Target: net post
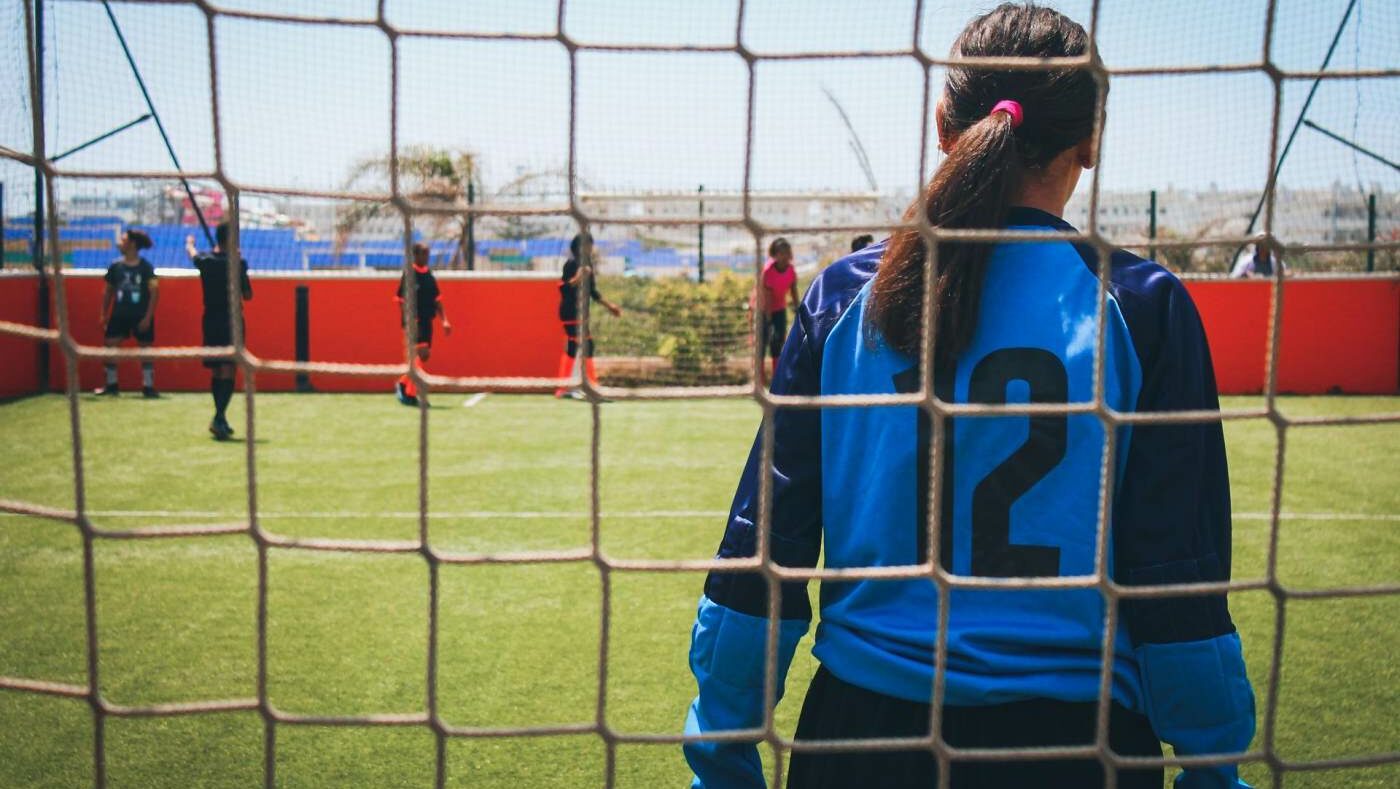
x=942 y=424
x=600 y=561
x=1103 y=253
x=45 y=201
x=1267 y=203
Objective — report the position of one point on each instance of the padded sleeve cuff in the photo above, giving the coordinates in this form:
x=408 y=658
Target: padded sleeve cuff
x=1199 y=700
x=726 y=655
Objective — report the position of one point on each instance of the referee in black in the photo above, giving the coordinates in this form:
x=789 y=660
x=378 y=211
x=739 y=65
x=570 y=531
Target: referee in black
x=218 y=320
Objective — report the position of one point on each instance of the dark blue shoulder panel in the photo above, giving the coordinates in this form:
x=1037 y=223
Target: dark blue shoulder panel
x=796 y=470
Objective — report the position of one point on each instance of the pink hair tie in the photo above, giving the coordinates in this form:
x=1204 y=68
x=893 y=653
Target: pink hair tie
x=1012 y=108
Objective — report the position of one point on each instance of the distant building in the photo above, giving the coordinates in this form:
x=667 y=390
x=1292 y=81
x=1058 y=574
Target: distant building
x=1301 y=216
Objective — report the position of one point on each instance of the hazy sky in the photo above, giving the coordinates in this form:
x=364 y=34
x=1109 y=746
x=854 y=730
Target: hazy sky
x=300 y=103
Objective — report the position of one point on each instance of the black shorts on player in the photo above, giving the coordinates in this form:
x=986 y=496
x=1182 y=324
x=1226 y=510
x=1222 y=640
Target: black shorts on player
x=837 y=710
x=425 y=333
x=217 y=332
x=775 y=331
x=571 y=334
x=122 y=325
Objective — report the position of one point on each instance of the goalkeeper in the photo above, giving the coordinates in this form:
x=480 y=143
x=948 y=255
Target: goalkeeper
x=1019 y=495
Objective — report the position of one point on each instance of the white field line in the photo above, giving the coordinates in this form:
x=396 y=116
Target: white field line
x=1320 y=516
x=474 y=399
x=352 y=515
x=622 y=514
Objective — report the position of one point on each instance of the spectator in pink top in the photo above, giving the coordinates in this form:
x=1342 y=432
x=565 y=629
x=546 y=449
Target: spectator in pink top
x=779 y=287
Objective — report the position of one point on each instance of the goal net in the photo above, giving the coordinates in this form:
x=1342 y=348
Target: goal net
x=334 y=136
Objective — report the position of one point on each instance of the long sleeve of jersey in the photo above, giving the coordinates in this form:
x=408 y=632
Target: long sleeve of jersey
x=1172 y=526
x=729 y=639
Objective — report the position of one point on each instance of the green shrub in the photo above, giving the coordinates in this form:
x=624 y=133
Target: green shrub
x=700 y=329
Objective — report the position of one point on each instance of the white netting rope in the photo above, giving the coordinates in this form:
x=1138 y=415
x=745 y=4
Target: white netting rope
x=774 y=574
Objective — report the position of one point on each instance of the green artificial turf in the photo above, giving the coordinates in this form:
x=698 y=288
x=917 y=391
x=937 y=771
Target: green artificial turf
x=519 y=644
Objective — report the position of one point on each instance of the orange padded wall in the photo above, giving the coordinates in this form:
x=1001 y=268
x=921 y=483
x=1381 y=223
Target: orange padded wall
x=1337 y=334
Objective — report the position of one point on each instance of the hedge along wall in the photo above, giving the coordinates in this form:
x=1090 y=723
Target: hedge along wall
x=1338 y=334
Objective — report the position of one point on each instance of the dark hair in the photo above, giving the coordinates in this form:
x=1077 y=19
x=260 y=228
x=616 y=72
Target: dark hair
x=974 y=185
x=861 y=242
x=142 y=240
x=221 y=236
x=779 y=244
x=420 y=250
x=576 y=245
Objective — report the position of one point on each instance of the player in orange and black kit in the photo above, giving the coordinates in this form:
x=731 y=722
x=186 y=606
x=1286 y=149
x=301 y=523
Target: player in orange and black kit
x=568 y=311
x=429 y=306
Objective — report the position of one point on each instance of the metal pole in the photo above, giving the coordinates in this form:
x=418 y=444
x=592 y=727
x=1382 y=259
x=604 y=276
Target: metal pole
x=37 y=258
x=469 y=254
x=700 y=260
x=1348 y=143
x=1152 y=224
x=101 y=137
x=1301 y=115
x=170 y=149
x=1371 y=232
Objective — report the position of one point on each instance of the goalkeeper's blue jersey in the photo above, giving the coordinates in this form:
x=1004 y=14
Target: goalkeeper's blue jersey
x=1020 y=497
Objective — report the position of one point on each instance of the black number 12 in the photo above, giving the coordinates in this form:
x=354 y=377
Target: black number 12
x=993 y=553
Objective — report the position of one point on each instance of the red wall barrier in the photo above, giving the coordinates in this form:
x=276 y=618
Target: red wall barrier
x=501 y=327
x=1337 y=334
x=19 y=357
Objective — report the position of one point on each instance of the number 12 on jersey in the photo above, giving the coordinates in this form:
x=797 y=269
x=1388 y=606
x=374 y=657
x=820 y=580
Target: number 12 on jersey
x=993 y=553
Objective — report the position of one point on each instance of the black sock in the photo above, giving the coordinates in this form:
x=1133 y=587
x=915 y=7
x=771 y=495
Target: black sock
x=225 y=396
x=222 y=390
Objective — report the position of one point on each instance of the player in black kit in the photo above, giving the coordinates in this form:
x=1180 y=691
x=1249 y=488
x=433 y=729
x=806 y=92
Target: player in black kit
x=569 y=281
x=129 y=307
x=218 y=320
x=428 y=306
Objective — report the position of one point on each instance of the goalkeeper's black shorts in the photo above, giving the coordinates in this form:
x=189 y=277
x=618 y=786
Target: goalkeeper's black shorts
x=838 y=710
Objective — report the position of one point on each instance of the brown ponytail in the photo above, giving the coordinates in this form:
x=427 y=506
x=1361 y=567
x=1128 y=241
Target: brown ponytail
x=974 y=185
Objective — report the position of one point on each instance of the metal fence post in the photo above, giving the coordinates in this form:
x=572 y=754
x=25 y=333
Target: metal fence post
x=1152 y=224
x=470 y=252
x=700 y=259
x=40 y=210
